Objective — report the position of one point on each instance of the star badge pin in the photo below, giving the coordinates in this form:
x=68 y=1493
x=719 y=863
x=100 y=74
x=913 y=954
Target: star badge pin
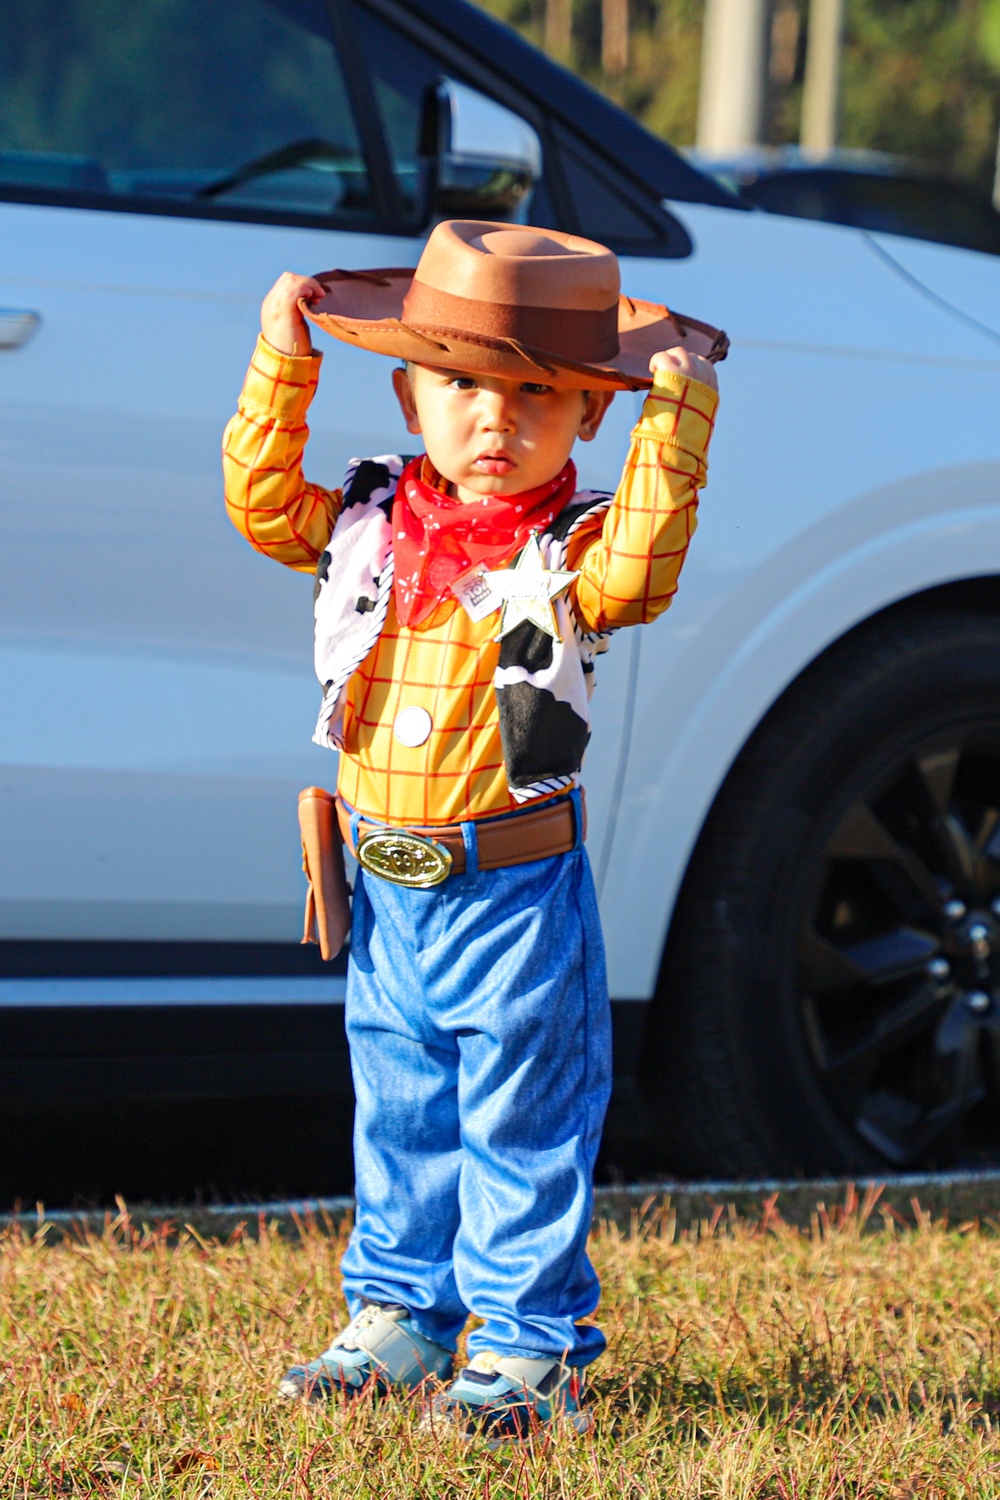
x=528 y=588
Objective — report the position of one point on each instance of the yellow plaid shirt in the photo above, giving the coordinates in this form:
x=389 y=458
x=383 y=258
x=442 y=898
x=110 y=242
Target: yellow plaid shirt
x=629 y=560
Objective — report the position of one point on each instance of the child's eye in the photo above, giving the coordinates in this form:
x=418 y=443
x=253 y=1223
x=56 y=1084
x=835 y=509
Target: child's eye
x=533 y=389
x=463 y=383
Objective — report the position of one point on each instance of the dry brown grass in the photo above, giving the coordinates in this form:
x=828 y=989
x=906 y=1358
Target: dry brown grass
x=748 y=1360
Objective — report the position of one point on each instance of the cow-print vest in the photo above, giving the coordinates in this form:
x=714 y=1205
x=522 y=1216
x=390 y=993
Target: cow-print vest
x=542 y=686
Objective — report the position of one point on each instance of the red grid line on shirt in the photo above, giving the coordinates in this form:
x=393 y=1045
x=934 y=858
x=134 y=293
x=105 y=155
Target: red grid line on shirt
x=635 y=532
x=418 y=773
x=463 y=710
x=307 y=511
x=258 y=469
x=278 y=377
x=303 y=550
x=688 y=399
x=271 y=421
x=660 y=463
x=397 y=679
x=629 y=562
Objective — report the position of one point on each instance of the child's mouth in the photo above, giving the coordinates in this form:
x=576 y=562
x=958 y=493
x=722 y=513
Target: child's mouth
x=496 y=464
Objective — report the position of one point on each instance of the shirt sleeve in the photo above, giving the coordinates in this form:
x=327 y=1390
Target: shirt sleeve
x=630 y=567
x=267 y=496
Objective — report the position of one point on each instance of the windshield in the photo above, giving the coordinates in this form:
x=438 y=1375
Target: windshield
x=175 y=100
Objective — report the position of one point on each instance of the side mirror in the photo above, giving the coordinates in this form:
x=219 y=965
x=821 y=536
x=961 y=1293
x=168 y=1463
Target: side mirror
x=481 y=160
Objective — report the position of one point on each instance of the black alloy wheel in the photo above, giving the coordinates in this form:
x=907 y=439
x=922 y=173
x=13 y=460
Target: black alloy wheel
x=899 y=959
x=830 y=993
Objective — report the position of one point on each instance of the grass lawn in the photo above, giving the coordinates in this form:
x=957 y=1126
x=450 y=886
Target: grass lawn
x=748 y=1360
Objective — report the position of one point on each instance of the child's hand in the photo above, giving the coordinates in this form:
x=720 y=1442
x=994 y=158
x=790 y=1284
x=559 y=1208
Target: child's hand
x=680 y=361
x=281 y=323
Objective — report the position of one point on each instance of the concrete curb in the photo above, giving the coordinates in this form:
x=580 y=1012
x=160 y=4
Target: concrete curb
x=957 y=1196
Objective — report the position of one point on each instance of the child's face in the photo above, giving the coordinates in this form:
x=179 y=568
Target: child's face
x=490 y=436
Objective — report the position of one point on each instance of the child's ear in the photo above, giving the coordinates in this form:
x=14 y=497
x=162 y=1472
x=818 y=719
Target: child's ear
x=403 y=387
x=595 y=405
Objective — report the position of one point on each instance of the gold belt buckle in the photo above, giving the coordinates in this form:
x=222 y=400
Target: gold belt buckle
x=403 y=857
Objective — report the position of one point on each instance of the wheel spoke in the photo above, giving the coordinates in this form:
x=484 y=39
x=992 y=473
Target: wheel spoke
x=962 y=852
x=902 y=1130
x=899 y=954
x=958 y=1047
x=823 y=966
x=957 y=848
x=853 y=1066
x=893 y=955
x=887 y=1124
x=991 y=1035
x=860 y=835
x=937 y=771
x=988 y=842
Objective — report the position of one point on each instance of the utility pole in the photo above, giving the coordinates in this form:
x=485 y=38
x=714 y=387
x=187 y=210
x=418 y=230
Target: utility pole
x=996 y=179
x=614 y=36
x=558 y=27
x=733 y=63
x=821 y=93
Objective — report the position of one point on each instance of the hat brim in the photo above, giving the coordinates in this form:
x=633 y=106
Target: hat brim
x=364 y=308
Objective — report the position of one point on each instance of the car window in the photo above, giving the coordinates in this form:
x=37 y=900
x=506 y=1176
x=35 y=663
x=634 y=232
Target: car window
x=237 y=106
x=922 y=210
x=401 y=73
x=403 y=77
x=605 y=214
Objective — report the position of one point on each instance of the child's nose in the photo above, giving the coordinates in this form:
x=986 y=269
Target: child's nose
x=497 y=412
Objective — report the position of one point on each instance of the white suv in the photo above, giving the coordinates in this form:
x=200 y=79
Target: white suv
x=794 y=781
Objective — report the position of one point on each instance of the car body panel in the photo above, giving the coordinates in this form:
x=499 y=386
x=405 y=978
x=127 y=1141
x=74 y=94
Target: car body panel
x=808 y=525
x=157 y=671
x=966 y=280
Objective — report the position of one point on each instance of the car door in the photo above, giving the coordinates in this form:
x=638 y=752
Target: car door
x=402 y=69
x=963 y=281
x=159 y=166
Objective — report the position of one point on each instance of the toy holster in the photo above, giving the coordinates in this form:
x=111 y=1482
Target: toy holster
x=328 y=900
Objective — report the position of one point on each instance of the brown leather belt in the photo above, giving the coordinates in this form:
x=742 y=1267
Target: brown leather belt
x=425 y=856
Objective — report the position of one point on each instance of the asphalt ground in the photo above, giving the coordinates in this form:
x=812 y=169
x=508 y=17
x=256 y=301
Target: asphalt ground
x=217 y=1164
x=245 y=1149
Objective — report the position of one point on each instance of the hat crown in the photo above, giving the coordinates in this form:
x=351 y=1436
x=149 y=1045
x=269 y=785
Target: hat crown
x=522 y=267
x=519 y=242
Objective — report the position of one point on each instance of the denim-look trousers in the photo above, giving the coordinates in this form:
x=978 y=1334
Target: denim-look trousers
x=479 y=1027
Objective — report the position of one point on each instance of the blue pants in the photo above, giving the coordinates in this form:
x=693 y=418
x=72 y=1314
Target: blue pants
x=479 y=1027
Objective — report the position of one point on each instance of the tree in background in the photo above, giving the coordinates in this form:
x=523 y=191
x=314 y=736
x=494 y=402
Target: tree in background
x=918 y=80
x=920 y=77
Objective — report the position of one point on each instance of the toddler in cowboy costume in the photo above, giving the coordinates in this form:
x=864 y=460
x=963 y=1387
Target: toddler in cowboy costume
x=461 y=599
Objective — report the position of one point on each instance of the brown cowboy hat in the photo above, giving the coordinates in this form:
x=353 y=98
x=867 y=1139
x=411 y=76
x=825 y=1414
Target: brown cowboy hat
x=509 y=300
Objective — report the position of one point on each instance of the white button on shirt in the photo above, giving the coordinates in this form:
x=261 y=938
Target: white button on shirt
x=413 y=726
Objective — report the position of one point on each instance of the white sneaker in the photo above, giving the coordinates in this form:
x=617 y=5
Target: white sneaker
x=378 y=1350
x=508 y=1398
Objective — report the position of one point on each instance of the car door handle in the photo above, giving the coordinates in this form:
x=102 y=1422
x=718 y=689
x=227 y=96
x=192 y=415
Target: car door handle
x=17 y=324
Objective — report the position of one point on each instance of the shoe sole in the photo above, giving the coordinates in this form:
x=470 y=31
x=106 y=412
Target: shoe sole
x=580 y=1422
x=328 y=1390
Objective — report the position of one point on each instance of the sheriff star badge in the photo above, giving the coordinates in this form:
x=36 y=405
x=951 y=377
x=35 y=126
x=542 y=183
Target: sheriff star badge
x=527 y=589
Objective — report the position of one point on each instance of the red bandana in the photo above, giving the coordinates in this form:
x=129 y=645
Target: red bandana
x=436 y=539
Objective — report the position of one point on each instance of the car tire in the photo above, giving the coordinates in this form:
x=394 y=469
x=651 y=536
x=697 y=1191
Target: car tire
x=829 y=992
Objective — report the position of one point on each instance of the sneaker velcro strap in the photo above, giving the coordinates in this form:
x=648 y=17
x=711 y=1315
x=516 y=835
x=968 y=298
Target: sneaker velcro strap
x=526 y=1374
x=399 y=1352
